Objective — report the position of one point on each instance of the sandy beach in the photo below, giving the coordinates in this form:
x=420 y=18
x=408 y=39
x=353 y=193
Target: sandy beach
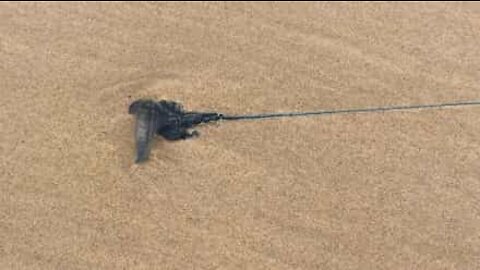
x=393 y=190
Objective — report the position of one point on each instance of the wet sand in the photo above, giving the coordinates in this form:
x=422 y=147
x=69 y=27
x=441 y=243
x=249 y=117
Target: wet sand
x=396 y=190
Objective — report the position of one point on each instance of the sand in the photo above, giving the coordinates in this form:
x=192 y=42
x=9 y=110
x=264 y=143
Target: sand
x=396 y=190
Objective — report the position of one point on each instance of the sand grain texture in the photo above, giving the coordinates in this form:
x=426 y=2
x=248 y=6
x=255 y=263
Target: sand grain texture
x=373 y=191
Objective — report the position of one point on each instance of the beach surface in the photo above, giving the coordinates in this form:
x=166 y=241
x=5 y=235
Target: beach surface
x=393 y=190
